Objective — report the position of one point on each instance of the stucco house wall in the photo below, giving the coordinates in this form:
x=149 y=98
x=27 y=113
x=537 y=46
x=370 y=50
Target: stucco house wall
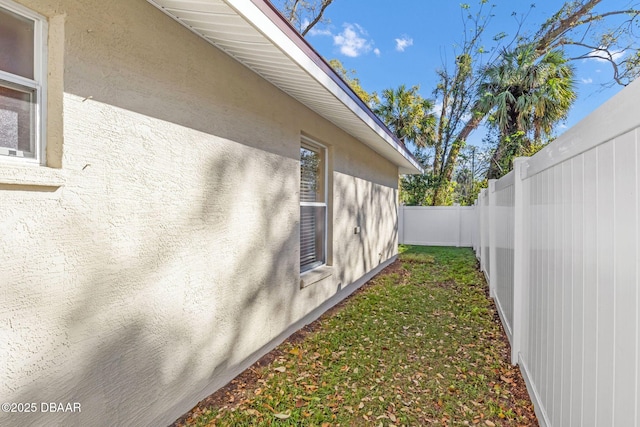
x=159 y=256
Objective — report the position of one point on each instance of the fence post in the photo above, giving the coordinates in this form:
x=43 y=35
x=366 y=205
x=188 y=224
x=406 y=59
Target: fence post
x=459 y=223
x=474 y=238
x=400 y=224
x=520 y=259
x=492 y=238
x=483 y=231
x=479 y=227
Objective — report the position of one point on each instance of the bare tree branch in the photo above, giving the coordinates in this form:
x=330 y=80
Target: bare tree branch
x=303 y=14
x=603 y=54
x=318 y=17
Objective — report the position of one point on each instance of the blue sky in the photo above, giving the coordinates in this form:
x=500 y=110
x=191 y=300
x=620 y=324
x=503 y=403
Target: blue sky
x=406 y=43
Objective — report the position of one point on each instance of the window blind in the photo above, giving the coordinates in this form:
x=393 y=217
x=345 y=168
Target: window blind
x=313 y=209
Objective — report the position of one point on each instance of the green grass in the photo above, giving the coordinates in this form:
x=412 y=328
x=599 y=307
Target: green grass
x=420 y=345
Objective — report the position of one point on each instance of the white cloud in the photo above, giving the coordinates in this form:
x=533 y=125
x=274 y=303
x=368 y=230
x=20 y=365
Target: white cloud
x=600 y=55
x=314 y=31
x=352 y=41
x=376 y=51
x=587 y=80
x=403 y=43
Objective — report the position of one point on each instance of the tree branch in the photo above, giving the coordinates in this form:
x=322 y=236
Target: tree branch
x=562 y=26
x=318 y=17
x=606 y=56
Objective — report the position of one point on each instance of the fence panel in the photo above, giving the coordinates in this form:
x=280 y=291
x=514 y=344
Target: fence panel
x=503 y=277
x=437 y=225
x=579 y=352
x=559 y=243
x=486 y=253
x=467 y=226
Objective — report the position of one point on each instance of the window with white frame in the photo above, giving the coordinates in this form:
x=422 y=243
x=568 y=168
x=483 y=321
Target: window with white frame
x=313 y=205
x=22 y=82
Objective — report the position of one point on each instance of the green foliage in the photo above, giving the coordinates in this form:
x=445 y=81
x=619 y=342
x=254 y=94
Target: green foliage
x=414 y=189
x=631 y=66
x=526 y=96
x=443 y=193
x=407 y=114
x=418 y=190
x=467 y=187
x=467 y=197
x=349 y=76
x=309 y=170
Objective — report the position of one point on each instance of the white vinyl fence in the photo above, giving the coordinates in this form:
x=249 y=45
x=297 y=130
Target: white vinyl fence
x=559 y=243
x=436 y=225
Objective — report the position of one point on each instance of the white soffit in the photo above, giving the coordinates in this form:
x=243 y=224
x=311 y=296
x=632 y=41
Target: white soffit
x=244 y=31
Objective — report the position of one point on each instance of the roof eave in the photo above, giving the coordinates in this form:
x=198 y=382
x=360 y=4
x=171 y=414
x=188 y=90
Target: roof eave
x=335 y=100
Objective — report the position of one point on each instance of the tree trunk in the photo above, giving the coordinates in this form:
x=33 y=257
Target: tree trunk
x=546 y=40
x=495 y=171
x=444 y=179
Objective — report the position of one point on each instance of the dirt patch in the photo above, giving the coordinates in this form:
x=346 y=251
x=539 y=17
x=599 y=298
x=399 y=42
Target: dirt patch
x=447 y=284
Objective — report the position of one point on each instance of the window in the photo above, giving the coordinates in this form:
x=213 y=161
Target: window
x=22 y=78
x=313 y=205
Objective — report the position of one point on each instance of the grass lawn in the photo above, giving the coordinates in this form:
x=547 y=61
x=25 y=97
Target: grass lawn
x=420 y=344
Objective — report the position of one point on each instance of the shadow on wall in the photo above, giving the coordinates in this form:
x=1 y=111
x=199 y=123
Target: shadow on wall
x=373 y=207
x=164 y=298
x=209 y=282
x=177 y=243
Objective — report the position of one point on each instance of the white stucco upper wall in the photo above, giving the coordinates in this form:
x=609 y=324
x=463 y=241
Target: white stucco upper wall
x=284 y=58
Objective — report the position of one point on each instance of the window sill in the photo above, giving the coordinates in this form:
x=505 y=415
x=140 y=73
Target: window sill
x=30 y=176
x=310 y=277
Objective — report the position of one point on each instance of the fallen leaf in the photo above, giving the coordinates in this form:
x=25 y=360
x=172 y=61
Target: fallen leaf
x=283 y=415
x=489 y=423
x=506 y=380
x=280 y=369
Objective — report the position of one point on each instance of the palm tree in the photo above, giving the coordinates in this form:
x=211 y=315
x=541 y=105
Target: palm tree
x=526 y=96
x=407 y=114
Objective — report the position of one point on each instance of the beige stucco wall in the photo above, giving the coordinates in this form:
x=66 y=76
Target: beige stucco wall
x=162 y=256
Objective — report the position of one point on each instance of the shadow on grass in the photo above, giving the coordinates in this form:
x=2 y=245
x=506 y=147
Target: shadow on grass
x=405 y=350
